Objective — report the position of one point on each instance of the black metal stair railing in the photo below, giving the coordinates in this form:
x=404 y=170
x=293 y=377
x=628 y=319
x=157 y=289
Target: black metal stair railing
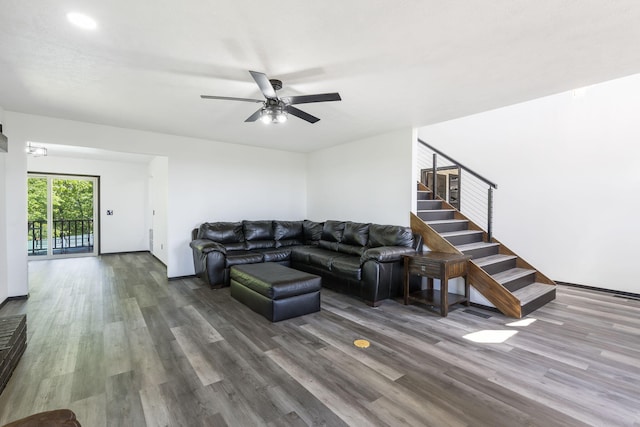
x=465 y=189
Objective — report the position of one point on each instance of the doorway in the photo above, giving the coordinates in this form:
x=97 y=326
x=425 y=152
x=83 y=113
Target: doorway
x=62 y=215
x=448 y=183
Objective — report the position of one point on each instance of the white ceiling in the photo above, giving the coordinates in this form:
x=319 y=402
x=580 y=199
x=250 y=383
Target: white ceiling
x=395 y=63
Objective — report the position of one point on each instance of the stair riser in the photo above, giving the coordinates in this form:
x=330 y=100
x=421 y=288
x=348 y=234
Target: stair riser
x=538 y=302
x=429 y=204
x=500 y=266
x=520 y=282
x=456 y=226
x=464 y=239
x=424 y=195
x=482 y=252
x=435 y=215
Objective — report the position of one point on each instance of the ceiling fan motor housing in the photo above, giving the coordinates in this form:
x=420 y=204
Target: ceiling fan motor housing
x=277 y=84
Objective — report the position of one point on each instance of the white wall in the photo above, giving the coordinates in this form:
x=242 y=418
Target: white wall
x=567 y=170
x=4 y=284
x=16 y=211
x=208 y=180
x=123 y=189
x=158 y=186
x=368 y=180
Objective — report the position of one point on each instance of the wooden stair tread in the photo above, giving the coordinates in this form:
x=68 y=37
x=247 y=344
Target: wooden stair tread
x=511 y=274
x=459 y=233
x=446 y=221
x=532 y=291
x=435 y=210
x=476 y=245
x=493 y=259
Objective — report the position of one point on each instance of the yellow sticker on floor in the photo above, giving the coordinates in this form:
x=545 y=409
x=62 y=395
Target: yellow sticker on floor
x=361 y=343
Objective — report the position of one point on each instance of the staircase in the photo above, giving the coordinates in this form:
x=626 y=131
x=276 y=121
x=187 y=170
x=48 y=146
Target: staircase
x=502 y=277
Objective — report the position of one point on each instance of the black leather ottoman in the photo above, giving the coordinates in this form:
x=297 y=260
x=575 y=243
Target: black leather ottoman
x=275 y=291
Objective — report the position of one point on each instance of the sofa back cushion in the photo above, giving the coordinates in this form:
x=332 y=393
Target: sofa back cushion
x=258 y=230
x=389 y=235
x=312 y=231
x=222 y=232
x=259 y=234
x=355 y=233
x=288 y=233
x=332 y=231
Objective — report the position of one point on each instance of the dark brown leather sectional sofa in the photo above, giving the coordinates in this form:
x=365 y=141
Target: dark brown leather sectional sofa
x=361 y=259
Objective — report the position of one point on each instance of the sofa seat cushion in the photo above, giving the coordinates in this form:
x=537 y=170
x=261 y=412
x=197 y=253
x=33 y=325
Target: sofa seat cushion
x=275 y=255
x=242 y=257
x=301 y=253
x=324 y=258
x=234 y=246
x=289 y=242
x=351 y=249
x=347 y=267
x=260 y=244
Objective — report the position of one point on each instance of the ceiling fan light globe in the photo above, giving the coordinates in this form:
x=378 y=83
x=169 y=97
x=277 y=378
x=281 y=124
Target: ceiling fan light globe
x=281 y=118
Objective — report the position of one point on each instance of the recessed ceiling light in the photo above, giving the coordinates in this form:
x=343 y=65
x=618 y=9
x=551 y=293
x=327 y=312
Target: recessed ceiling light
x=81 y=20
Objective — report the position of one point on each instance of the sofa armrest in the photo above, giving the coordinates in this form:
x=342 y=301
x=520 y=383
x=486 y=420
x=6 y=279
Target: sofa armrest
x=205 y=246
x=55 y=418
x=386 y=253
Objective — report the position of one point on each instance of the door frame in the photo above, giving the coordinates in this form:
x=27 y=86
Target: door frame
x=96 y=213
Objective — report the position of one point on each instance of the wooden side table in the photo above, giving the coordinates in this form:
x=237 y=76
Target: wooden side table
x=436 y=265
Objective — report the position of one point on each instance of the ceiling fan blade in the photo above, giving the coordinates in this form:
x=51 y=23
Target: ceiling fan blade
x=301 y=114
x=228 y=98
x=305 y=99
x=264 y=84
x=255 y=116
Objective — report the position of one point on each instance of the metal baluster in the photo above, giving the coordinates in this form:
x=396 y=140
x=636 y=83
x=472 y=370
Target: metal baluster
x=489 y=214
x=434 y=189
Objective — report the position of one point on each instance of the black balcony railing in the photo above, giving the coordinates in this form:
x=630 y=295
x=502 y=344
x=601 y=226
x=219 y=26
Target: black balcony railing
x=69 y=236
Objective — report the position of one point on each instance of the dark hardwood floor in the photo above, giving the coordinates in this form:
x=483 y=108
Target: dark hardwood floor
x=112 y=339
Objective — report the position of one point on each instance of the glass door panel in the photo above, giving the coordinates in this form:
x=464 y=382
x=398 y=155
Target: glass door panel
x=37 y=225
x=72 y=212
x=62 y=212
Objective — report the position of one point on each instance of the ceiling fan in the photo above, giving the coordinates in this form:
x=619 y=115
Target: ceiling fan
x=274 y=109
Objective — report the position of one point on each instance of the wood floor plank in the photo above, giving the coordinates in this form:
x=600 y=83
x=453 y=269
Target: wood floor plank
x=111 y=338
x=187 y=340
x=203 y=329
x=92 y=410
x=349 y=413
x=156 y=413
x=124 y=406
x=117 y=357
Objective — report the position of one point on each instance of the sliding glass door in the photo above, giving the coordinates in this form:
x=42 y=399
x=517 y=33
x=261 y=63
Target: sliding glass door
x=62 y=215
